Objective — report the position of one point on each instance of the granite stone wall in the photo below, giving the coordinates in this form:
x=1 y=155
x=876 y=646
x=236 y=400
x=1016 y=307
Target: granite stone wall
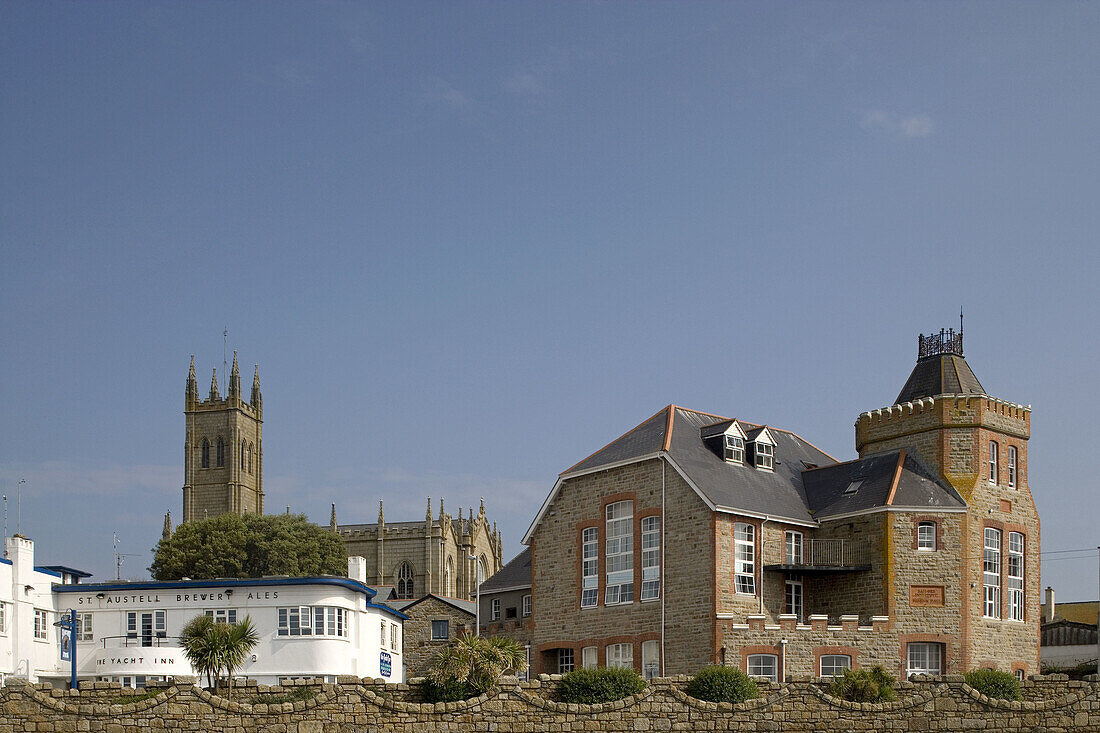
x=1050 y=703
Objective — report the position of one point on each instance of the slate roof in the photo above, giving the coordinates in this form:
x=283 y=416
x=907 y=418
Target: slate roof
x=939 y=374
x=405 y=604
x=806 y=485
x=889 y=478
x=516 y=574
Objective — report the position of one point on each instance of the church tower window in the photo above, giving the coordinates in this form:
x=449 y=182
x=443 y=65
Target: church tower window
x=221 y=452
x=205 y=453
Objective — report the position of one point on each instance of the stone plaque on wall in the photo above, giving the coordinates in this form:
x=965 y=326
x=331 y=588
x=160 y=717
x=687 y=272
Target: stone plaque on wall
x=926 y=596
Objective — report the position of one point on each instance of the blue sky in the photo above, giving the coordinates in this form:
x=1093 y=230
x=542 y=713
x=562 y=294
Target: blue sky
x=470 y=243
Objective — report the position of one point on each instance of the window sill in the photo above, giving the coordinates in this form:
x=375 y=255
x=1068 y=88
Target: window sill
x=650 y=600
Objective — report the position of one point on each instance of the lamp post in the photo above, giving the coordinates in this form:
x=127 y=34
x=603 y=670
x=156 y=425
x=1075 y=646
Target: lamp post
x=477 y=592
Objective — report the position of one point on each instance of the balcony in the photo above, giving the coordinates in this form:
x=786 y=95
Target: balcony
x=818 y=556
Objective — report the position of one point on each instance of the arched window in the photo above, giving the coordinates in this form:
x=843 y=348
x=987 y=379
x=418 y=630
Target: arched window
x=205 y=453
x=242 y=453
x=221 y=452
x=482 y=570
x=404 y=581
x=448 y=575
x=250 y=458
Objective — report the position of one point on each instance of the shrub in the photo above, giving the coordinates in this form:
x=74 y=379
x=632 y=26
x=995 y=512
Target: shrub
x=864 y=685
x=450 y=690
x=994 y=683
x=605 y=684
x=722 y=684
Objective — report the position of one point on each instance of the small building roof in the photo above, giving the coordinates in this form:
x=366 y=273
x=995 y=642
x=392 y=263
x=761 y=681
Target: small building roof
x=461 y=604
x=516 y=575
x=890 y=478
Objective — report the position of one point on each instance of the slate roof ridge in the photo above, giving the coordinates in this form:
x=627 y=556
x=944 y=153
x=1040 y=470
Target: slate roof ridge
x=453 y=602
x=670 y=408
x=747 y=425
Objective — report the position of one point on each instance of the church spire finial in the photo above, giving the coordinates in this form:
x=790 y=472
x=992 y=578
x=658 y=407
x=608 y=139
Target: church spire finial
x=481 y=511
x=257 y=400
x=332 y=519
x=192 y=385
x=234 y=379
x=214 y=395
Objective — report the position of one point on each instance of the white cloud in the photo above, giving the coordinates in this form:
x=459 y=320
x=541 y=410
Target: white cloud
x=908 y=126
x=523 y=83
x=917 y=126
x=451 y=96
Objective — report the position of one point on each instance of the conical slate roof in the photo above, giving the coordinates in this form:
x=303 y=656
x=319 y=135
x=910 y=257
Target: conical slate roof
x=941 y=369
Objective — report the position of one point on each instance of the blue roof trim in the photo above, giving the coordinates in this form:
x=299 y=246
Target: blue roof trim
x=5 y=561
x=223 y=583
x=38 y=569
x=65 y=569
x=387 y=609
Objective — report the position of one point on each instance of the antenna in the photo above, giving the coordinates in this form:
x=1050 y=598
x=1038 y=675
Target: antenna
x=120 y=558
x=5 y=515
x=960 y=320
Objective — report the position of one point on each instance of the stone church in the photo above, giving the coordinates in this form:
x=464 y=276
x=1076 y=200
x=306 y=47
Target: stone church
x=223 y=473
x=444 y=555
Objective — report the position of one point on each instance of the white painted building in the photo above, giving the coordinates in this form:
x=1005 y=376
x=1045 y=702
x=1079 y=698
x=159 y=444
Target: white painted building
x=129 y=631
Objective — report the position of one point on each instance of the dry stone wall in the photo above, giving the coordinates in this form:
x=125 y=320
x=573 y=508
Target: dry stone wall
x=1050 y=703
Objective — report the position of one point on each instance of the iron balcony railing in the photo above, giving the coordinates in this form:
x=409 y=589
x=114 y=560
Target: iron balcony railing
x=138 y=641
x=818 y=553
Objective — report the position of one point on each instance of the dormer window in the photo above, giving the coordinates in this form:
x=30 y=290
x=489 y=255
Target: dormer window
x=734 y=450
x=765 y=456
x=763 y=449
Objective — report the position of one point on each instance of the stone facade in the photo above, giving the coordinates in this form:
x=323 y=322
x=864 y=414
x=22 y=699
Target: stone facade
x=429 y=556
x=420 y=645
x=892 y=596
x=223 y=449
x=953 y=434
x=354 y=705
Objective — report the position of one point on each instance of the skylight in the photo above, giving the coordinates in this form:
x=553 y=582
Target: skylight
x=853 y=487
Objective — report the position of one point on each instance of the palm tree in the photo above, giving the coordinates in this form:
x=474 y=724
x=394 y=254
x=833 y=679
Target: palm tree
x=479 y=661
x=199 y=639
x=238 y=642
x=210 y=646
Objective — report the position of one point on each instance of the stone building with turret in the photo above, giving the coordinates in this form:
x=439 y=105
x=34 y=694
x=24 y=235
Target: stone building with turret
x=697 y=539
x=443 y=555
x=223 y=448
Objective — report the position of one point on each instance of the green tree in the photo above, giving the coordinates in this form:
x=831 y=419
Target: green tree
x=199 y=641
x=249 y=546
x=211 y=647
x=478 y=661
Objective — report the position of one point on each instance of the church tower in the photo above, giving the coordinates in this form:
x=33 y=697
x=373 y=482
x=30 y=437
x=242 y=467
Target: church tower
x=977 y=444
x=223 y=448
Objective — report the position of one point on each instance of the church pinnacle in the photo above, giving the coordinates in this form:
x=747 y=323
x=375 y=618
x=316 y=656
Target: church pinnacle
x=257 y=398
x=214 y=394
x=192 y=384
x=234 y=379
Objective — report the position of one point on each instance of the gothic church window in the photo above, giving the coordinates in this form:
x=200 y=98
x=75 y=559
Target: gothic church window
x=404 y=581
x=221 y=452
x=205 y=453
x=250 y=449
x=242 y=454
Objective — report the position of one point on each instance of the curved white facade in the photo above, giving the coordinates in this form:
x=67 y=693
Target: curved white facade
x=308 y=627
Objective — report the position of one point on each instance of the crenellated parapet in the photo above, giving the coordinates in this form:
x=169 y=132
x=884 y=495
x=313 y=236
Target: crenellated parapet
x=945 y=411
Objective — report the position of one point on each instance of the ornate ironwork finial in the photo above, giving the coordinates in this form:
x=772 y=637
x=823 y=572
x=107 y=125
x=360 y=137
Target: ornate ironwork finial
x=944 y=342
